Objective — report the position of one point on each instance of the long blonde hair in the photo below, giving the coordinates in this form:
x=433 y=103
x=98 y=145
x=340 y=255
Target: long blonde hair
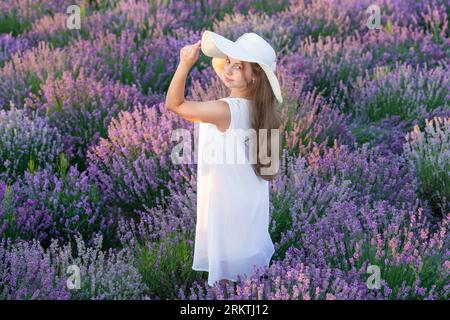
x=264 y=115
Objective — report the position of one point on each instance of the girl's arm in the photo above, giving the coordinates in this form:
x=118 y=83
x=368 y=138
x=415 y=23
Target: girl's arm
x=175 y=93
x=188 y=57
x=215 y=111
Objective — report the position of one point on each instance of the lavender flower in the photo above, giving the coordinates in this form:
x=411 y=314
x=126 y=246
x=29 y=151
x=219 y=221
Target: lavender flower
x=31 y=272
x=44 y=205
x=133 y=166
x=26 y=71
x=82 y=108
x=10 y=45
x=26 y=140
x=149 y=63
x=429 y=153
x=405 y=91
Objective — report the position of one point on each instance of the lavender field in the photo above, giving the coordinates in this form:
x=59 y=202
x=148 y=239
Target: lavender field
x=88 y=187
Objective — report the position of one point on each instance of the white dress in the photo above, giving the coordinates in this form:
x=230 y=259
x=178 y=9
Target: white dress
x=232 y=230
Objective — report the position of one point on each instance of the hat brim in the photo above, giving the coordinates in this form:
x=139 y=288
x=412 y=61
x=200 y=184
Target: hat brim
x=218 y=47
x=273 y=81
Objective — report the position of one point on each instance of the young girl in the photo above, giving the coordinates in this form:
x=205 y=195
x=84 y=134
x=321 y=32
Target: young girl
x=232 y=199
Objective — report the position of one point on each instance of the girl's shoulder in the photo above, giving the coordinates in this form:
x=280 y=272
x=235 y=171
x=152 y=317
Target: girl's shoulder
x=237 y=101
x=238 y=98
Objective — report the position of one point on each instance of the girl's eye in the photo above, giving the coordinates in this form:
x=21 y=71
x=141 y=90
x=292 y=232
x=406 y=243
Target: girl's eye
x=238 y=67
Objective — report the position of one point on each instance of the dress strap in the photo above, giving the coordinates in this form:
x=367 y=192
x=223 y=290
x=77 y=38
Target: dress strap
x=234 y=110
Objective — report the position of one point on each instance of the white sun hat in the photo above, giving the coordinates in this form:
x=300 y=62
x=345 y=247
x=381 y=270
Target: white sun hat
x=248 y=47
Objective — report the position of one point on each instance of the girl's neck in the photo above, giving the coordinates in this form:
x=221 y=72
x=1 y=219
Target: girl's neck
x=244 y=94
x=240 y=97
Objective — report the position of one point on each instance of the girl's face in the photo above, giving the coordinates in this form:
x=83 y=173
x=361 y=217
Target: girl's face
x=236 y=74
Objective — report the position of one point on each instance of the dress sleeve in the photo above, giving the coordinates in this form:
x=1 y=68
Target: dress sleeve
x=234 y=113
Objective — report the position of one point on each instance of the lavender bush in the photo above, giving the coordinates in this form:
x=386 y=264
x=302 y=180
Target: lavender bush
x=329 y=64
x=26 y=71
x=149 y=64
x=161 y=238
x=43 y=205
x=53 y=30
x=165 y=265
x=283 y=281
x=133 y=165
x=429 y=153
x=309 y=121
x=387 y=134
x=411 y=259
x=82 y=108
x=333 y=65
x=310 y=185
x=24 y=139
x=150 y=20
x=405 y=91
x=31 y=272
x=287 y=29
x=10 y=45
x=405 y=45
x=19 y=16
x=176 y=215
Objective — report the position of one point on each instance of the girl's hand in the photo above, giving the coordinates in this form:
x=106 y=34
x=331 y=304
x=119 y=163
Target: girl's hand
x=189 y=54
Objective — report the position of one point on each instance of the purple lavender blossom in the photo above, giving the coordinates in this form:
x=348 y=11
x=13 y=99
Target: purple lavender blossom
x=43 y=205
x=134 y=165
x=26 y=140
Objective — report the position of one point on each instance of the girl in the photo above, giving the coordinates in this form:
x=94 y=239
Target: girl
x=232 y=199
